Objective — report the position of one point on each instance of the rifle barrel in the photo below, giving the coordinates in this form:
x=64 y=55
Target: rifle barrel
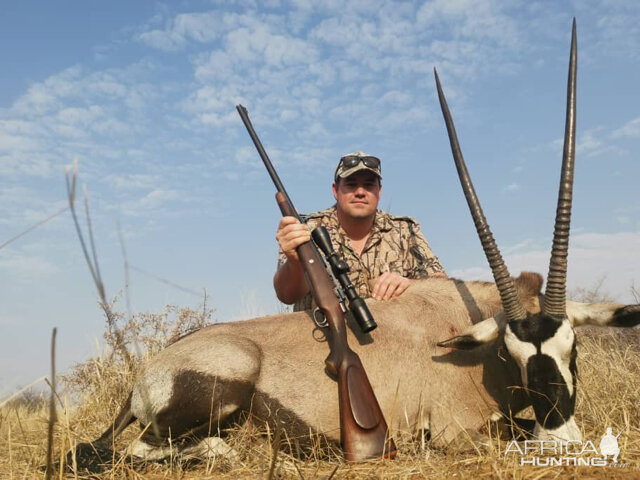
x=244 y=115
x=625 y=427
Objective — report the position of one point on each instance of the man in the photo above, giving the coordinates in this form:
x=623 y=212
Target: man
x=384 y=253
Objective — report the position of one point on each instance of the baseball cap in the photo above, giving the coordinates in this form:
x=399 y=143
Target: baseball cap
x=356 y=161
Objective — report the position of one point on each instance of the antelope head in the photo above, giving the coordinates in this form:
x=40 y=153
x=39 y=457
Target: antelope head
x=543 y=344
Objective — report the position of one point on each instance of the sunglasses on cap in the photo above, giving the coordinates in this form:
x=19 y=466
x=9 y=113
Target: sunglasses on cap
x=351 y=161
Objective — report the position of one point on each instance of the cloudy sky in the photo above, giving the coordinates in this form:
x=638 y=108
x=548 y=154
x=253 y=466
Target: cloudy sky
x=142 y=94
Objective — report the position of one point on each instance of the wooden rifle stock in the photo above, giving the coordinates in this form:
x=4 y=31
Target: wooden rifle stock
x=363 y=429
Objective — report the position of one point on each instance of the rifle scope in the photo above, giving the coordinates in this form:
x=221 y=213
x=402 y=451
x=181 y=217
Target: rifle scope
x=339 y=267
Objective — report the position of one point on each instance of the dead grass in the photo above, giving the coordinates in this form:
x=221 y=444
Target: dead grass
x=609 y=395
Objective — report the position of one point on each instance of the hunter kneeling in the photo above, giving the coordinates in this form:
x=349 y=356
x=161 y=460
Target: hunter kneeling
x=385 y=253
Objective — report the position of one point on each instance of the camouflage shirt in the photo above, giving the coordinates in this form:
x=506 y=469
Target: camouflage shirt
x=395 y=244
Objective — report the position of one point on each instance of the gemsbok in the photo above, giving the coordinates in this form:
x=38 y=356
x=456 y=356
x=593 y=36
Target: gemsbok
x=509 y=347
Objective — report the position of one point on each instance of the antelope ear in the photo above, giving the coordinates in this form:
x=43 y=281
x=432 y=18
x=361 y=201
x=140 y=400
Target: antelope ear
x=603 y=314
x=481 y=333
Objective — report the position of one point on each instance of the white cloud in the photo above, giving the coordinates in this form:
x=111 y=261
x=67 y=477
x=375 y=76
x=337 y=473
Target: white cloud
x=18 y=139
x=630 y=129
x=113 y=127
x=246 y=157
x=617 y=27
x=209 y=98
x=477 y=19
x=396 y=98
x=217 y=65
x=595 y=142
x=43 y=97
x=38 y=100
x=157 y=197
x=288 y=115
x=26 y=268
x=374 y=52
x=82 y=116
x=37 y=163
x=250 y=45
x=202 y=27
x=54 y=95
x=154 y=200
x=132 y=181
x=398 y=119
x=214 y=106
x=22 y=205
x=103 y=84
x=167 y=41
x=592 y=256
x=279 y=69
x=75 y=113
x=70 y=132
x=375 y=42
x=589 y=144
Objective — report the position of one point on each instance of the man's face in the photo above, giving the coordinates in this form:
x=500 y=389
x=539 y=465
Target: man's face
x=358 y=195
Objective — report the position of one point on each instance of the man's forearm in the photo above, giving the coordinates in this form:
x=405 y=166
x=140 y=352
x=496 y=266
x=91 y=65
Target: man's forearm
x=289 y=282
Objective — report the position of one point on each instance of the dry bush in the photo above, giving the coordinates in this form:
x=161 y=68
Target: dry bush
x=592 y=293
x=142 y=334
x=608 y=395
x=30 y=400
x=100 y=385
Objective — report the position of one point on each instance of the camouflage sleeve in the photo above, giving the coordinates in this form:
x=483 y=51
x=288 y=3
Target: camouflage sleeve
x=423 y=260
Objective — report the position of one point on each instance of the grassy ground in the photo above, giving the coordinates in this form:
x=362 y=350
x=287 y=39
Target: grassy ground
x=609 y=395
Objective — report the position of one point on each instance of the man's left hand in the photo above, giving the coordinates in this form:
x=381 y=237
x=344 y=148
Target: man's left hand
x=389 y=285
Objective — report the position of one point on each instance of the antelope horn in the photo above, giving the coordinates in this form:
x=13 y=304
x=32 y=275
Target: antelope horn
x=508 y=294
x=555 y=294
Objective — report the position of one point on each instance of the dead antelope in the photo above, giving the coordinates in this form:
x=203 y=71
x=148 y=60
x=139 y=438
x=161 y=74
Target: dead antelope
x=510 y=347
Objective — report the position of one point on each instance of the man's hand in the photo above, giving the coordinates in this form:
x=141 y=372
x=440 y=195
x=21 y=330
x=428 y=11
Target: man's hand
x=291 y=234
x=389 y=285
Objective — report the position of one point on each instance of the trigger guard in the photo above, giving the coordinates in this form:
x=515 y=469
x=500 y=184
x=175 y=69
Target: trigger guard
x=319 y=318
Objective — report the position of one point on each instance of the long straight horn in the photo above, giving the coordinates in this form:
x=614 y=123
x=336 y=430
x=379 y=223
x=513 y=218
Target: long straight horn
x=555 y=295
x=510 y=300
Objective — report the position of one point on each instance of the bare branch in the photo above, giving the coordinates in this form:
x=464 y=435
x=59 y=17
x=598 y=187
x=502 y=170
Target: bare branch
x=33 y=227
x=52 y=406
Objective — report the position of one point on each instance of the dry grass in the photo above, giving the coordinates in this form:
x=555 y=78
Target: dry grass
x=609 y=395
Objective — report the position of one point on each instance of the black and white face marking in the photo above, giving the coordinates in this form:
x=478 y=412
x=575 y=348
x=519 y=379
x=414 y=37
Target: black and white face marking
x=545 y=350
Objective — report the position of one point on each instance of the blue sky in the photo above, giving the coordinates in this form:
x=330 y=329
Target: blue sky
x=143 y=95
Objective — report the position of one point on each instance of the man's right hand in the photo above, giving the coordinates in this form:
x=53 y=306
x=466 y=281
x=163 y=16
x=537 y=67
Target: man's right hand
x=291 y=234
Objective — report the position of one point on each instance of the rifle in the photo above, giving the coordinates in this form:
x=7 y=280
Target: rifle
x=363 y=429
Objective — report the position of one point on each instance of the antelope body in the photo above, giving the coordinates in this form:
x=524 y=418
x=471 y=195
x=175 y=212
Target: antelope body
x=271 y=367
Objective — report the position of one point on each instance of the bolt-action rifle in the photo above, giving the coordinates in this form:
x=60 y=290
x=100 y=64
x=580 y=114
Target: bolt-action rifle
x=363 y=429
